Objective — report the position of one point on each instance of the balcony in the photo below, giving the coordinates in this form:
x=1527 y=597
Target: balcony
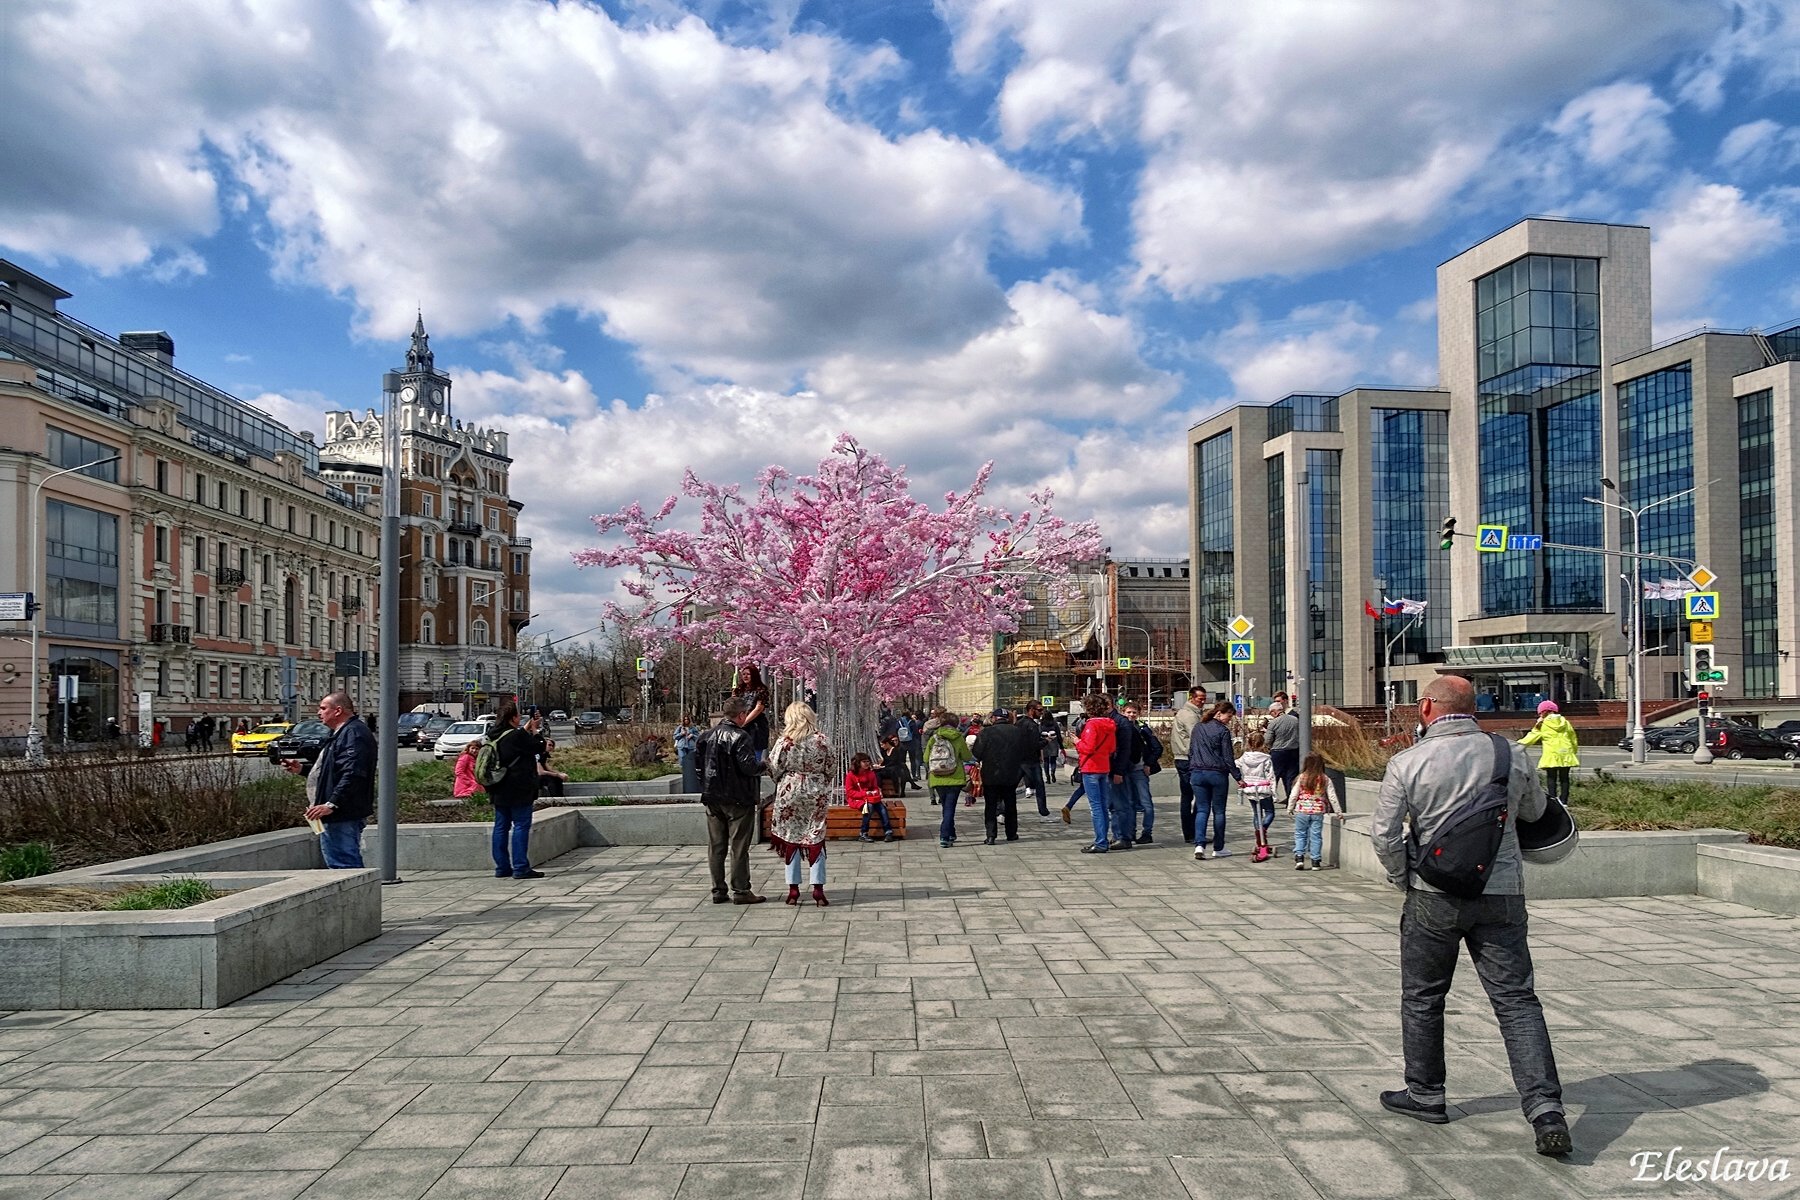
x=465 y=528
x=351 y=604
x=521 y=543
x=229 y=577
x=172 y=634
x=518 y=619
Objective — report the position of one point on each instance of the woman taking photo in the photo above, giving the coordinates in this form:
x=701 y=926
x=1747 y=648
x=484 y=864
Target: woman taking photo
x=805 y=778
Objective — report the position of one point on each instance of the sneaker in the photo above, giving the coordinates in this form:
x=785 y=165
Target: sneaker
x=1299 y=864
x=1299 y=858
x=1552 y=1133
x=1432 y=1114
x=1145 y=841
x=888 y=836
x=1317 y=865
x=863 y=837
x=1096 y=848
x=1199 y=853
x=945 y=844
x=1221 y=854
x=529 y=875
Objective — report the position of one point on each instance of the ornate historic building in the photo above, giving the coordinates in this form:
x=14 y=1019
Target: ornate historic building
x=465 y=583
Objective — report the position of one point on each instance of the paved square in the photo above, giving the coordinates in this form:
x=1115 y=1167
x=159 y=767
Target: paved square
x=1011 y=1021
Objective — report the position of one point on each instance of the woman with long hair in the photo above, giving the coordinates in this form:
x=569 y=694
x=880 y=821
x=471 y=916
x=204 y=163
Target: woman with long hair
x=804 y=769
x=749 y=687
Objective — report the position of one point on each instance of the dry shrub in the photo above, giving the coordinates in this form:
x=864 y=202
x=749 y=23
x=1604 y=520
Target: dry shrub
x=98 y=814
x=1353 y=751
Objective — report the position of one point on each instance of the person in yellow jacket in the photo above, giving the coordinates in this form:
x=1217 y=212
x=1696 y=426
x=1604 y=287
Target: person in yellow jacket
x=1559 y=755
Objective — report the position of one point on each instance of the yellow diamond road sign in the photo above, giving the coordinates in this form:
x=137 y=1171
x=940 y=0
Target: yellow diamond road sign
x=1702 y=579
x=1241 y=626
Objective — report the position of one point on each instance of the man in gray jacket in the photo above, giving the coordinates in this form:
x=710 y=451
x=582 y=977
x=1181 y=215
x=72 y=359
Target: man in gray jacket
x=1423 y=787
x=1283 y=733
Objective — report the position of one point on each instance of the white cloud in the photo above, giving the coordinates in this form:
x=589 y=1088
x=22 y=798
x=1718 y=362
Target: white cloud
x=1319 y=348
x=1762 y=145
x=1289 y=136
x=1761 y=44
x=1621 y=126
x=1701 y=230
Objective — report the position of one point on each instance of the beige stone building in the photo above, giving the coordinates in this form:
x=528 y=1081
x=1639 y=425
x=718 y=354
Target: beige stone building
x=465 y=583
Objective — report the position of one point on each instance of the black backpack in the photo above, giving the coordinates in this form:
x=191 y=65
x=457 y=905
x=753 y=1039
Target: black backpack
x=1150 y=749
x=1460 y=855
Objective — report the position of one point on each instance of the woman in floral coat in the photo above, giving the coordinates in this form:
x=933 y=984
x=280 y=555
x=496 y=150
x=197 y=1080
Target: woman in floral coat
x=805 y=781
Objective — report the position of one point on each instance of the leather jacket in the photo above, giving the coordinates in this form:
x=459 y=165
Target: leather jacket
x=346 y=772
x=729 y=774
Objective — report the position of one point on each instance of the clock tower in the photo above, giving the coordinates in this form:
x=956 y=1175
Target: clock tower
x=422 y=385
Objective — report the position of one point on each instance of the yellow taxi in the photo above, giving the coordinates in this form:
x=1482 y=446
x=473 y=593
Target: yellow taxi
x=257 y=741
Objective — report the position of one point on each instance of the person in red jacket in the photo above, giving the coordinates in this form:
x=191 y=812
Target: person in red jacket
x=1095 y=750
x=862 y=789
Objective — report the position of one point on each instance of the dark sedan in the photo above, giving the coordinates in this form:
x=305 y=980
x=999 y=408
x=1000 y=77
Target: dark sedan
x=301 y=743
x=1728 y=739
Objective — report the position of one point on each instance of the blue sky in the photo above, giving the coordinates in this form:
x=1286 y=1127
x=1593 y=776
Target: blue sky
x=648 y=236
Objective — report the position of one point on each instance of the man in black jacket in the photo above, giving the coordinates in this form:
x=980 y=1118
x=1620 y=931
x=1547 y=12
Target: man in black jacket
x=730 y=780
x=1004 y=750
x=1119 y=795
x=516 y=749
x=341 y=790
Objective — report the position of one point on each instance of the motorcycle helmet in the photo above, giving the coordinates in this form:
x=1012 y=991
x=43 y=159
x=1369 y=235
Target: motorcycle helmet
x=1551 y=838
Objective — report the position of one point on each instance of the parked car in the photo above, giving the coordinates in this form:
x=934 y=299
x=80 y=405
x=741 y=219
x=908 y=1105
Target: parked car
x=1788 y=731
x=258 y=740
x=590 y=721
x=451 y=742
x=434 y=729
x=1678 y=738
x=557 y=714
x=1728 y=739
x=408 y=726
x=302 y=742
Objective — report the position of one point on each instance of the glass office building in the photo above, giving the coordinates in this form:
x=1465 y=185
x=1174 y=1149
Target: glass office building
x=1213 y=563
x=1410 y=464
x=1763 y=649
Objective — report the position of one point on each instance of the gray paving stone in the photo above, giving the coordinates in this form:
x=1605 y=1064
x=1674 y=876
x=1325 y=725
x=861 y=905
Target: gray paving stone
x=235 y=1185
x=400 y=1174
x=447 y=1131
x=495 y=1183
x=619 y=1183
x=124 y=1187
x=975 y=1179
x=583 y=1147
x=1112 y=1180
x=265 y=1152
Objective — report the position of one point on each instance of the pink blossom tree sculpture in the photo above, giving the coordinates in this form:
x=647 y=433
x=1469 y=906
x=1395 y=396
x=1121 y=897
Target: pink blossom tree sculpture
x=842 y=578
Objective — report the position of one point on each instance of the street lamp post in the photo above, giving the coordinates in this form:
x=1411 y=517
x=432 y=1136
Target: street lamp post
x=1149 y=650
x=1636 y=715
x=34 y=736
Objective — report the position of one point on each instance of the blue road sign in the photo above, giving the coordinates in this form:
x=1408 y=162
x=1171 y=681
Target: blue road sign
x=1524 y=541
x=1490 y=539
x=1240 y=653
x=1702 y=606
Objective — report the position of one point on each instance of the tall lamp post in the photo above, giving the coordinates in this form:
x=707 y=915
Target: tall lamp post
x=1637 y=603
x=1149 y=650
x=34 y=737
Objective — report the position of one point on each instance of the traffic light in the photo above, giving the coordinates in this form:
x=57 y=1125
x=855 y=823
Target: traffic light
x=1702 y=669
x=1447 y=535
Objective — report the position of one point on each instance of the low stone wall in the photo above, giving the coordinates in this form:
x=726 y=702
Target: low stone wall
x=643 y=825
x=667 y=785
x=1765 y=877
x=468 y=845
x=272 y=926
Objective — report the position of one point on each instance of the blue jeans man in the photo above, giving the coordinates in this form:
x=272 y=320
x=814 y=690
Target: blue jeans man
x=512 y=840
x=1143 y=809
x=341 y=844
x=1212 y=790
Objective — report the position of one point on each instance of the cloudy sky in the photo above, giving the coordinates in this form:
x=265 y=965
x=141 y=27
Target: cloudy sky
x=1053 y=233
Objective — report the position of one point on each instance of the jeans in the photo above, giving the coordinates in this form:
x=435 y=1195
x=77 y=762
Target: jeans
x=1556 y=783
x=1119 y=807
x=1262 y=810
x=797 y=865
x=729 y=830
x=341 y=844
x=1211 y=791
x=1096 y=785
x=1050 y=762
x=1309 y=835
x=915 y=756
x=1000 y=804
x=876 y=810
x=1287 y=769
x=690 y=774
x=1143 y=809
x=512 y=826
x=946 y=798
x=1186 y=780
x=1433 y=927
x=1034 y=779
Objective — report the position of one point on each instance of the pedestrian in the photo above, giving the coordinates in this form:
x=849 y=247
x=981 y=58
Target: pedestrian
x=1095 y=747
x=1119 y=794
x=804 y=769
x=946 y=770
x=730 y=777
x=1031 y=721
x=549 y=780
x=862 y=790
x=466 y=787
x=515 y=750
x=207 y=727
x=1283 y=734
x=1146 y=760
x=1455 y=770
x=1315 y=797
x=687 y=736
x=894 y=769
x=1257 y=771
x=1212 y=766
x=1560 y=754
x=749 y=688
x=904 y=735
x=1187 y=717
x=915 y=749
x=1053 y=745
x=1005 y=752
x=341 y=787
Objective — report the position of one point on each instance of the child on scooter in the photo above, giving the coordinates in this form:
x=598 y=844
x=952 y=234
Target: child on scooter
x=1258 y=771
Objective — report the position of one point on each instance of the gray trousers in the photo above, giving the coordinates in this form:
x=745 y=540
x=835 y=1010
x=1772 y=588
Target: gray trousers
x=1433 y=928
x=730 y=829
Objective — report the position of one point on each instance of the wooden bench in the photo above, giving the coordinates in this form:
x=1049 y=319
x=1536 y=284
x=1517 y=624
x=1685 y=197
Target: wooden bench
x=843 y=822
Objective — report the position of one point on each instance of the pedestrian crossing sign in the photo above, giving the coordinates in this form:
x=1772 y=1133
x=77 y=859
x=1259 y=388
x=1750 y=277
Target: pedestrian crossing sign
x=1702 y=606
x=1490 y=539
x=1240 y=654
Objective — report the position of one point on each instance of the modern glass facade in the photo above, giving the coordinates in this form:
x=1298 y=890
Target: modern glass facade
x=1304 y=412
x=1275 y=638
x=1656 y=459
x=81 y=567
x=1216 y=585
x=1756 y=515
x=1410 y=463
x=1324 y=531
x=1538 y=358
x=65 y=450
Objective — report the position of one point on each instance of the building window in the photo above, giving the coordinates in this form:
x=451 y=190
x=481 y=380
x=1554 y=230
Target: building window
x=244 y=564
x=290 y=518
x=244 y=632
x=518 y=604
x=312 y=526
x=224 y=618
x=1216 y=545
x=200 y=489
x=199 y=618
x=425 y=504
x=1278 y=599
x=162 y=606
x=1306 y=413
x=268 y=625
x=268 y=569
x=1410 y=466
x=331 y=532
x=200 y=674
x=493 y=518
x=199 y=554
x=65 y=449
x=1756 y=516
x=478 y=594
x=223 y=493
x=359 y=541
x=1656 y=459
x=162 y=678
x=478 y=632
x=162 y=475
x=161 y=540
x=1325 y=520
x=81 y=567
x=268 y=510
x=312 y=631
x=428 y=630
x=518 y=564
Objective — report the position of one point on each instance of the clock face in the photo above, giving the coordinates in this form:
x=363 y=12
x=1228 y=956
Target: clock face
x=437 y=397
x=407 y=393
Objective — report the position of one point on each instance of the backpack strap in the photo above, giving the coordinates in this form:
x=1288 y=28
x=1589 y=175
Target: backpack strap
x=1502 y=758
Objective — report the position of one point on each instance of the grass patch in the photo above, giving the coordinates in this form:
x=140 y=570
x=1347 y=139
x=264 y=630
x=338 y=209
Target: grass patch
x=1770 y=815
x=25 y=862
x=171 y=893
